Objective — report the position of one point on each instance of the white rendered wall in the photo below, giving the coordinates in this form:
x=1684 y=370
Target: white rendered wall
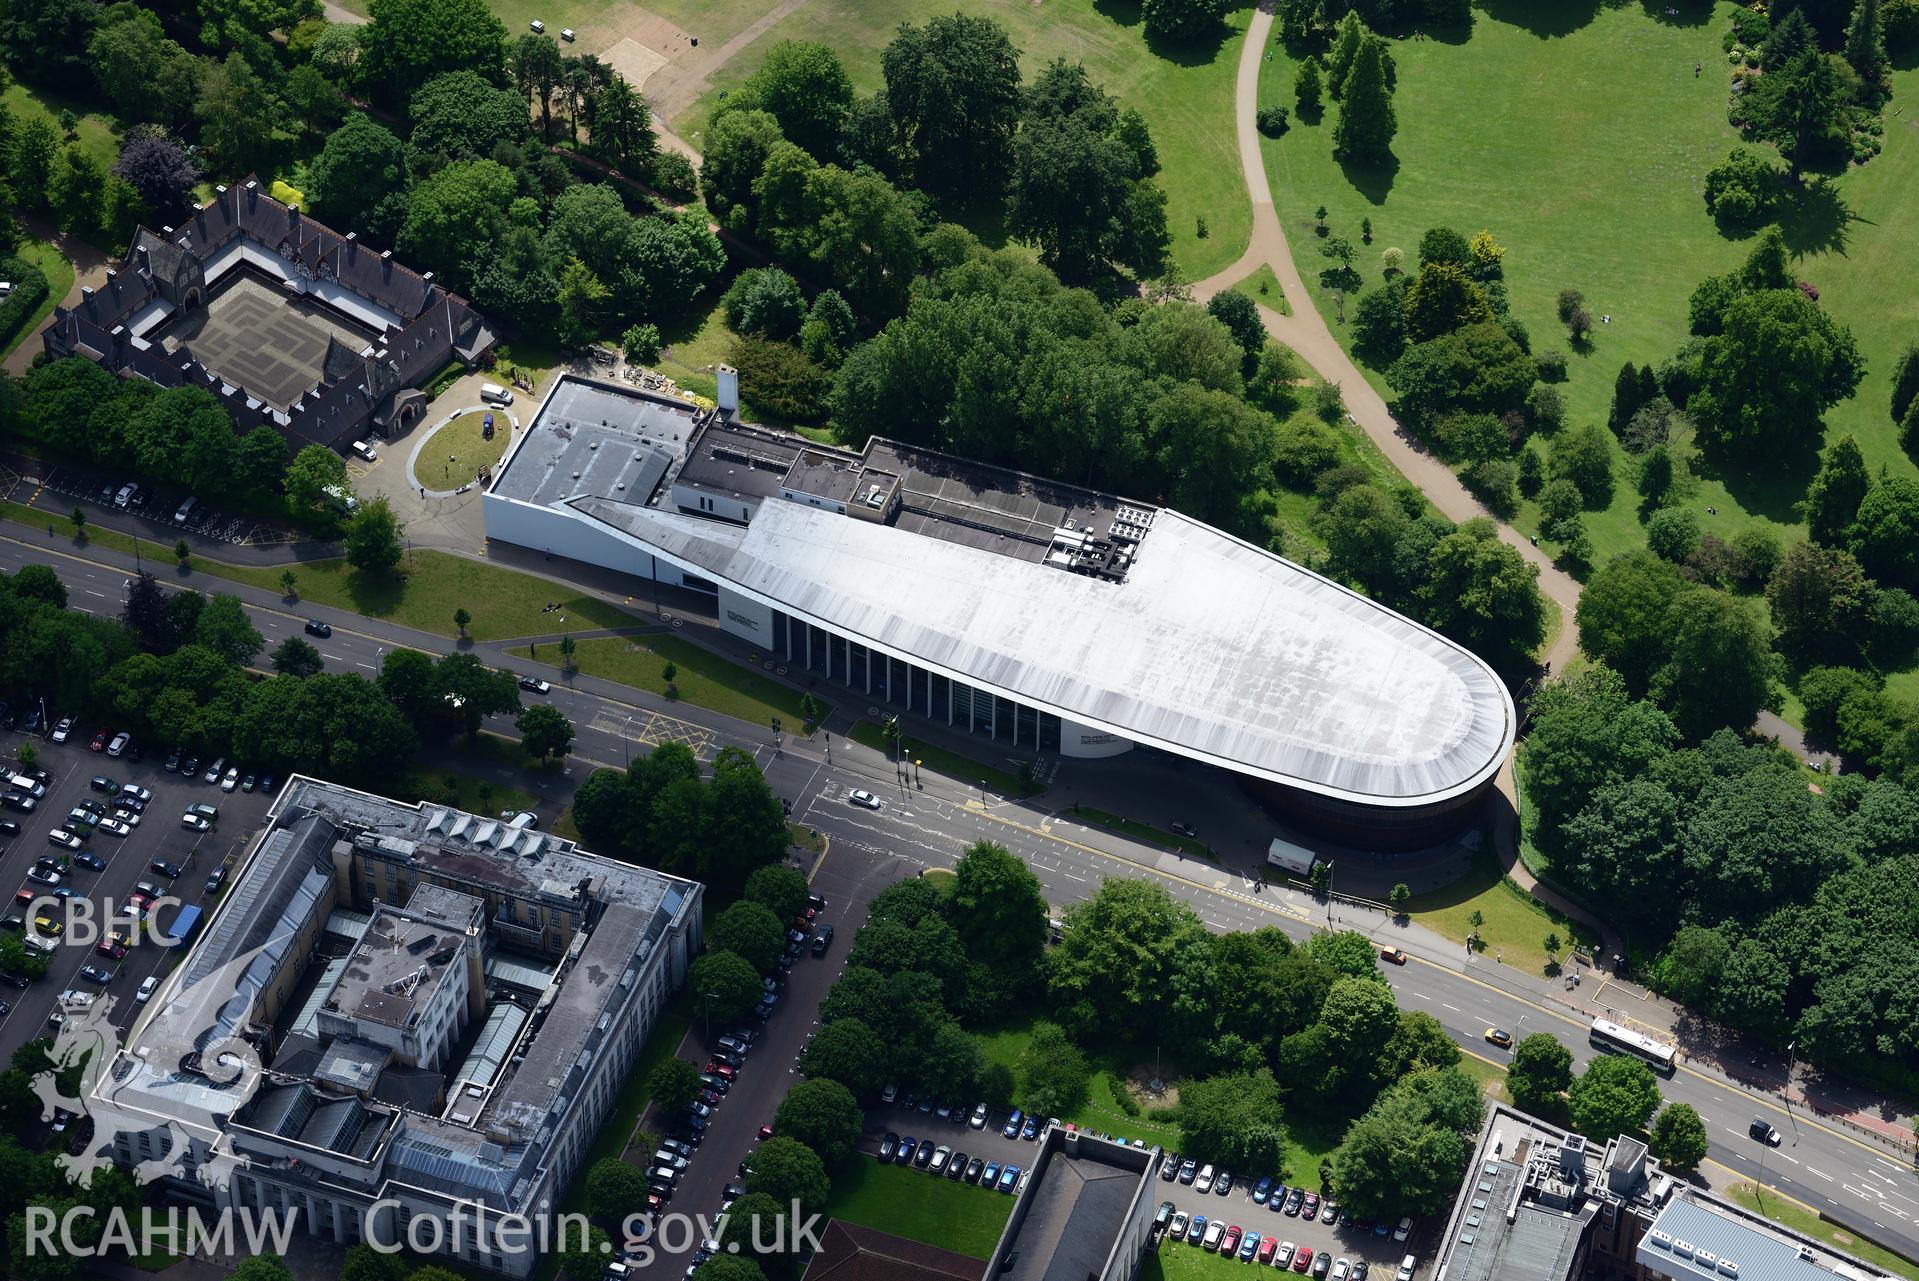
x=747 y=619
x=568 y=534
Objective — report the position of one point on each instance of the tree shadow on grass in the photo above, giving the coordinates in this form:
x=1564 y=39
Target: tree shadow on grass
x=1547 y=19
x=1819 y=220
x=1768 y=485
x=1125 y=13
x=1201 y=50
x=375 y=595
x=1372 y=179
x=1678 y=13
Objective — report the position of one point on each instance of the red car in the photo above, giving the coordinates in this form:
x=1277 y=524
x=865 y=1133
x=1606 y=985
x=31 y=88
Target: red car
x=1229 y=1244
x=1394 y=955
x=716 y=1068
x=99 y=743
x=1267 y=1249
x=766 y=1132
x=1304 y=1259
x=107 y=947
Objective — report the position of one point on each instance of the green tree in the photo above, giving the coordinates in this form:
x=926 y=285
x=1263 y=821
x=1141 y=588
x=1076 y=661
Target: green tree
x=724 y=985
x=751 y=930
x=1181 y=20
x=1615 y=1095
x=1055 y=1072
x=1672 y=533
x=997 y=906
x=1800 y=112
x=1692 y=963
x=766 y=301
x=824 y=1116
x=1482 y=593
x=374 y=537
x=408 y=42
x=455 y=217
x=737 y=146
x=464 y=116
x=1584 y=456
x=262 y=1267
x=1587 y=731
x=849 y=1052
x=1442 y=298
x=1821 y=602
x=1346 y=952
x=1307 y=90
x=1366 y=124
x=615 y=1189
x=314 y=471
x=236 y=113
x=621 y=126
x=953 y=91
x=471 y=691
x=224 y=628
x=1678 y=1136
x=1110 y=971
x=1235 y=1120
x=1400 y=899
x=1622 y=616
x=781 y=888
x=673 y=1082
x=1720 y=668
x=788 y=1171
x=544 y=731
x=294 y=657
x=1885 y=536
x=1540 y=1071
x=804 y=86
x=1396 y=1160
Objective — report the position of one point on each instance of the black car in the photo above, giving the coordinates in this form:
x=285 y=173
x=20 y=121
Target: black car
x=923 y=1155
x=816 y=901
x=888 y=1143
x=101 y=783
x=16 y=980
x=822 y=938
x=190 y=766
x=1765 y=1132
x=956 y=1167
x=315 y=627
x=9 y=827
x=164 y=868
x=173 y=760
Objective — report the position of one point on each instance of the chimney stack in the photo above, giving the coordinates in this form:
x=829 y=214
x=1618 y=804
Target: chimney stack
x=728 y=394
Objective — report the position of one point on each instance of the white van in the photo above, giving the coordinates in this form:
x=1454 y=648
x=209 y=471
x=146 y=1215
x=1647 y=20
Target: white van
x=31 y=786
x=494 y=394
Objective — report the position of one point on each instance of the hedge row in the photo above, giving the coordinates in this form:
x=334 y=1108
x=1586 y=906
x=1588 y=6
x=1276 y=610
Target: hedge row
x=29 y=291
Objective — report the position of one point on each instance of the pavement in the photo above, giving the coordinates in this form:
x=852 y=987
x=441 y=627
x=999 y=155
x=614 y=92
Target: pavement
x=1834 y=1132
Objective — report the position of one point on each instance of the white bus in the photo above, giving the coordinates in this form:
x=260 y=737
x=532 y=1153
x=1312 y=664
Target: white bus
x=1614 y=1039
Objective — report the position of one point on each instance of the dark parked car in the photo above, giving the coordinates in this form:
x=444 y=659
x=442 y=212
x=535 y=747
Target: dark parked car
x=888 y=1145
x=923 y=1155
x=317 y=628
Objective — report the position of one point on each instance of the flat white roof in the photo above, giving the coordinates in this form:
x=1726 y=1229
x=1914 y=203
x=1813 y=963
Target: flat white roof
x=1211 y=648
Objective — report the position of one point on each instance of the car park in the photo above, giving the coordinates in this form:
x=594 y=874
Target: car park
x=1267 y=1249
x=956 y=1168
x=1224 y=1183
x=365 y=450
x=19 y=802
x=124 y=498
x=1403 y=1229
x=904 y=1154
x=923 y=1155
x=1342 y=1269
x=184 y=512
x=190 y=766
x=941 y=1155
x=9 y=827
x=1262 y=1189
x=1407 y=1266
x=990 y=1175
x=1248 y=1247
x=1030 y=1130
x=1176 y=1230
x=64 y=730
x=1011 y=1129
x=1303 y=1258
x=974 y=1168
x=1330 y=1214
x=1294 y=1199
x=1322 y=1265
x=1309 y=1209
x=1188 y=1170
x=978 y=1119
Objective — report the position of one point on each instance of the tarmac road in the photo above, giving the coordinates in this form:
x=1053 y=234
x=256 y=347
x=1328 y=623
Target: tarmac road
x=1852 y=1177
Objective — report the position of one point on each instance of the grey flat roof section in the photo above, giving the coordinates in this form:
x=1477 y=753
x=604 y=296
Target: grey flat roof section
x=1077 y=1213
x=1211 y=648
x=620 y=443
x=1758 y=1254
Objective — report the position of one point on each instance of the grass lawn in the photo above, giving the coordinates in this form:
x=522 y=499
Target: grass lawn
x=1186 y=94
x=1263 y=288
x=1799 y=1218
x=460 y=790
x=704 y=678
x=955 y=765
x=504 y=602
x=459 y=452
x=1143 y=832
x=907 y=1202
x=1496 y=132
x=1491 y=1076
x=695 y=343
x=59 y=273
x=94 y=130
x=1515 y=923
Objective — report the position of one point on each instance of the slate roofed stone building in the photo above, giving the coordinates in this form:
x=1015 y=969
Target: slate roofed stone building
x=287 y=322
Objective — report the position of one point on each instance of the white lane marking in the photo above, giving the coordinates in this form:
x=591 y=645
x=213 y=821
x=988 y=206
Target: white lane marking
x=1821 y=1173
x=1453 y=1008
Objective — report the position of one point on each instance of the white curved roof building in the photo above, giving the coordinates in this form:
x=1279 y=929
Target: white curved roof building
x=1043 y=615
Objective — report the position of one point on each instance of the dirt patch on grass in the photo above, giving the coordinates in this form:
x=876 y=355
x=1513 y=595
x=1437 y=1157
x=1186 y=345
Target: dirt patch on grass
x=1139 y=1084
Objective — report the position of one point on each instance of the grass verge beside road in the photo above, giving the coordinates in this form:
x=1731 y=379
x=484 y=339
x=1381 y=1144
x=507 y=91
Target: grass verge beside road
x=1514 y=925
x=1145 y=833
x=703 y=679
x=1800 y=1218
x=954 y=765
x=912 y=1204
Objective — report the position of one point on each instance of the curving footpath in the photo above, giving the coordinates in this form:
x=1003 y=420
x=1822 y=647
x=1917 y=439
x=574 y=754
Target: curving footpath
x=1305 y=332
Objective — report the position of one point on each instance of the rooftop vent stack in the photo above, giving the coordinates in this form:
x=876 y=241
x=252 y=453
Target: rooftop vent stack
x=729 y=390
x=386 y=264
x=352 y=245
x=86 y=292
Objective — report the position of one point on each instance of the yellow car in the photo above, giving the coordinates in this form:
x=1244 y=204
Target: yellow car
x=49 y=927
x=1500 y=1036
